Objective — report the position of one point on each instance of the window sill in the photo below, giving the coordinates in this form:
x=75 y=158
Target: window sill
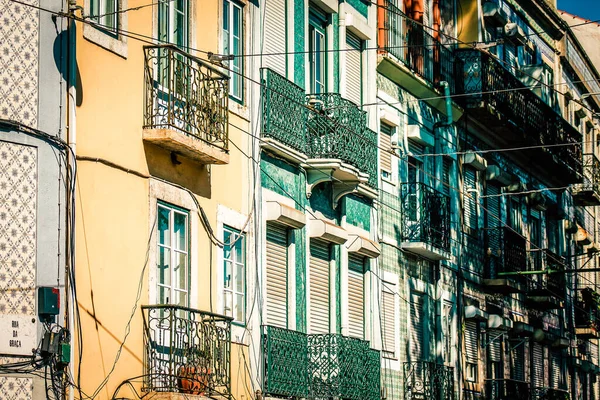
x=116 y=45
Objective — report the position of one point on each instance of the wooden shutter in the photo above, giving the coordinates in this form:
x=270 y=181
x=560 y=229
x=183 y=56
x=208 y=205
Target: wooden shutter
x=319 y=286
x=356 y=302
x=385 y=147
x=471 y=342
x=354 y=68
x=275 y=36
x=495 y=345
x=537 y=365
x=555 y=361
x=417 y=332
x=493 y=205
x=511 y=55
x=517 y=370
x=276 y=275
x=446 y=162
x=416 y=148
x=389 y=319
x=470 y=205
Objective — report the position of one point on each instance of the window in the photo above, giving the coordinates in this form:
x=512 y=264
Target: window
x=104 y=13
x=173 y=255
x=232 y=45
x=388 y=311
x=173 y=22
x=317 y=51
x=234 y=274
x=385 y=153
x=276 y=275
x=470 y=200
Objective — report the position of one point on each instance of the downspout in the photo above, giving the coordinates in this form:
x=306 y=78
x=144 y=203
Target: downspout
x=71 y=140
x=449 y=119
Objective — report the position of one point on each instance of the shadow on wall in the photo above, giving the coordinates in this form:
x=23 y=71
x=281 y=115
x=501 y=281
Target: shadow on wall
x=61 y=43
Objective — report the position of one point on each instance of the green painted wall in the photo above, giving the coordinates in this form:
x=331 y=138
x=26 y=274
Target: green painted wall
x=358 y=211
x=360 y=6
x=282 y=178
x=299 y=39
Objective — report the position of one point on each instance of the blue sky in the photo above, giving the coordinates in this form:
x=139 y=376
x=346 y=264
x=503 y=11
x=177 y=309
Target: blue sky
x=589 y=9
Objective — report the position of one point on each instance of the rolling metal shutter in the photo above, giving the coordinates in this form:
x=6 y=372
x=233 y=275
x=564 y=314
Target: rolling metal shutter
x=389 y=320
x=417 y=333
x=537 y=365
x=385 y=145
x=276 y=275
x=493 y=205
x=274 y=40
x=470 y=198
x=471 y=342
x=353 y=68
x=517 y=370
x=319 y=286
x=555 y=361
x=356 y=302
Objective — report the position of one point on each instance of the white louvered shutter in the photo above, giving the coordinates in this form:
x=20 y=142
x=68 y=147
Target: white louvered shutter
x=319 y=286
x=353 y=68
x=275 y=36
x=385 y=149
x=493 y=205
x=537 y=366
x=446 y=162
x=517 y=370
x=470 y=196
x=276 y=275
x=471 y=342
x=389 y=320
x=495 y=345
x=356 y=297
x=417 y=333
x=555 y=361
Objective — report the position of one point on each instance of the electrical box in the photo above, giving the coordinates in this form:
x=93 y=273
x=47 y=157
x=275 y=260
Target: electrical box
x=48 y=303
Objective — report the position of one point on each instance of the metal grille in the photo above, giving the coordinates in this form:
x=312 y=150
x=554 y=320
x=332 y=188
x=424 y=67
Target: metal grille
x=276 y=275
x=428 y=381
x=319 y=286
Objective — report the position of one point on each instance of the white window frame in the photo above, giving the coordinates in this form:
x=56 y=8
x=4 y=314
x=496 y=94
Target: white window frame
x=236 y=65
x=234 y=236
x=112 y=41
x=102 y=14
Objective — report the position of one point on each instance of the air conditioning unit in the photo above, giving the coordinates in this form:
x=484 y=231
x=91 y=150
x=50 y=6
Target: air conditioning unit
x=515 y=34
x=493 y=14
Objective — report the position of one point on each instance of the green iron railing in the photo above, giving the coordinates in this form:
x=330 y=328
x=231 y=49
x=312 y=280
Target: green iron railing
x=319 y=366
x=318 y=125
x=185 y=93
x=428 y=380
x=186 y=350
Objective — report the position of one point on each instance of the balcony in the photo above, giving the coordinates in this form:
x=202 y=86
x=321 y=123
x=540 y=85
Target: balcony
x=518 y=117
x=186 y=105
x=546 y=291
x=319 y=366
x=588 y=192
x=325 y=133
x=428 y=381
x=186 y=351
x=506 y=389
x=425 y=226
x=586 y=314
x=544 y=393
x=416 y=60
x=505 y=259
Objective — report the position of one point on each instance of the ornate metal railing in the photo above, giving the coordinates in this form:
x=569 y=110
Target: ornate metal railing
x=319 y=366
x=588 y=192
x=185 y=93
x=493 y=87
x=506 y=389
x=318 y=125
x=420 y=51
x=284 y=112
x=505 y=253
x=426 y=216
x=186 y=350
x=544 y=393
x=587 y=310
x=553 y=281
x=428 y=380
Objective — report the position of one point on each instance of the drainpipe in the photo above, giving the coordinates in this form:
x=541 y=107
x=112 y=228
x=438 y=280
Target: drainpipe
x=71 y=139
x=449 y=119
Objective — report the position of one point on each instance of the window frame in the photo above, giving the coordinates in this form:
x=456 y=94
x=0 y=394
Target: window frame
x=100 y=7
x=238 y=237
x=318 y=22
x=173 y=209
x=113 y=41
x=237 y=64
x=170 y=7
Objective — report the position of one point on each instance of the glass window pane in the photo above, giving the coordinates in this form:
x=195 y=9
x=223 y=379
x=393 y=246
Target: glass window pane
x=164 y=295
x=227 y=275
x=239 y=307
x=163 y=20
x=164 y=237
x=237 y=22
x=239 y=278
x=228 y=308
x=110 y=18
x=239 y=249
x=180 y=225
x=181 y=298
x=181 y=272
x=164 y=261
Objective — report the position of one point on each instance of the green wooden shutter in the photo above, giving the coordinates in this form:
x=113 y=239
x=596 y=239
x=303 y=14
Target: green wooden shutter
x=276 y=277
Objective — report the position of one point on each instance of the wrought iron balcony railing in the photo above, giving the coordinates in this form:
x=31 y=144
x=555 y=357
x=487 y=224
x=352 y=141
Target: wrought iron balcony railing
x=553 y=281
x=492 y=90
x=505 y=253
x=544 y=393
x=319 y=125
x=506 y=389
x=420 y=51
x=587 y=193
x=186 y=350
x=426 y=216
x=428 y=380
x=319 y=366
x=587 y=310
x=187 y=94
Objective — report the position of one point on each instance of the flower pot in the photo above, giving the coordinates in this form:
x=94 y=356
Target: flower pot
x=192 y=379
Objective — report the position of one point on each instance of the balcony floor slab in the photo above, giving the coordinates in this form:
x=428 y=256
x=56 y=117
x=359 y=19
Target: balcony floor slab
x=193 y=148
x=503 y=285
x=425 y=250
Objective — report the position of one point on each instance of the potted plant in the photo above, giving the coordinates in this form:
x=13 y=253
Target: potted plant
x=193 y=377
